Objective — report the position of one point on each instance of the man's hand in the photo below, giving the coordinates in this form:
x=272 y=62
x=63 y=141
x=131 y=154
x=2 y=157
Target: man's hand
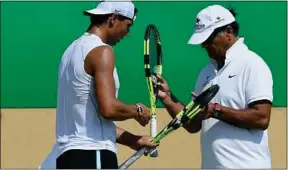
x=144 y=117
x=206 y=112
x=144 y=141
x=135 y=142
x=164 y=90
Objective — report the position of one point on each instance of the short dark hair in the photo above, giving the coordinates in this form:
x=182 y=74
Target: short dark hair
x=101 y=19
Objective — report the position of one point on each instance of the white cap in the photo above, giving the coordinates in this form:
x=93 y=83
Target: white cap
x=208 y=19
x=125 y=9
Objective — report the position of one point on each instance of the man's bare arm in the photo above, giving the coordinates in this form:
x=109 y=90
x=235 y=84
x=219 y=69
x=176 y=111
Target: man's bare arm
x=100 y=64
x=126 y=138
x=133 y=141
x=174 y=106
x=257 y=116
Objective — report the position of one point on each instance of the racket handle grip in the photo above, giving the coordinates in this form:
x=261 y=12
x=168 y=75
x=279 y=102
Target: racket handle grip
x=153 y=133
x=153 y=126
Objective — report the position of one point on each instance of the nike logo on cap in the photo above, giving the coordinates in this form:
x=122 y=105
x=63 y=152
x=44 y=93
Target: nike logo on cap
x=230 y=76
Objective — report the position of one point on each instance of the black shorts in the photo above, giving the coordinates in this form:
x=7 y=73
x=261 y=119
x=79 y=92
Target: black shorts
x=87 y=159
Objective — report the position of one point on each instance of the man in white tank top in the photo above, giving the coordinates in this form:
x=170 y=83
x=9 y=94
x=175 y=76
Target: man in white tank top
x=87 y=104
x=234 y=125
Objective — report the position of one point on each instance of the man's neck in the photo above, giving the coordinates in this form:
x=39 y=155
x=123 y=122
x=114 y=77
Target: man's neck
x=100 y=31
x=231 y=43
x=221 y=62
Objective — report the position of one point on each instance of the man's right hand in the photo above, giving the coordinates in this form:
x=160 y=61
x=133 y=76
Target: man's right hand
x=205 y=112
x=164 y=90
x=144 y=117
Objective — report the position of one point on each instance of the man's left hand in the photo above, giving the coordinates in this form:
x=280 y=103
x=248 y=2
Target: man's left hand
x=144 y=141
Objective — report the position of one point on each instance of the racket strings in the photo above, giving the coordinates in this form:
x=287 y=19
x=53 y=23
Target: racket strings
x=154 y=60
x=153 y=53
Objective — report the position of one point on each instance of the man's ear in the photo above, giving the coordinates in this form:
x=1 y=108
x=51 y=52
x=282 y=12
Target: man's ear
x=229 y=31
x=112 y=20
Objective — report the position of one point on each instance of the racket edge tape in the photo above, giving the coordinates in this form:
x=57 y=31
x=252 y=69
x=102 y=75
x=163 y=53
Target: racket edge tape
x=185 y=115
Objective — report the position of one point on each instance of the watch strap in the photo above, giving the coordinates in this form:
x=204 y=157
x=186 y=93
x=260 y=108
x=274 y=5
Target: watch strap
x=216 y=111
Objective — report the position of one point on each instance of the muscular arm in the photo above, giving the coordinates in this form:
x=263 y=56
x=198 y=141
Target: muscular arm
x=100 y=64
x=174 y=106
x=257 y=116
x=126 y=138
x=258 y=93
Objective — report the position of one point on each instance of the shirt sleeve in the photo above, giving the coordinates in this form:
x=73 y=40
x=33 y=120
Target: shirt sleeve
x=202 y=77
x=197 y=87
x=259 y=82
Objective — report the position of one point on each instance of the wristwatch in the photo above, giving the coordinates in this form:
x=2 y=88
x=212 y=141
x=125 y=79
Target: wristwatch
x=139 y=109
x=216 y=111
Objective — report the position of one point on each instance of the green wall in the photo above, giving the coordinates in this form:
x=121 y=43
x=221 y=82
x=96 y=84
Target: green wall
x=35 y=34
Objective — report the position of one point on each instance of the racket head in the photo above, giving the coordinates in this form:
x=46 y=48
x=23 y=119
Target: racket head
x=152 y=57
x=205 y=97
x=182 y=117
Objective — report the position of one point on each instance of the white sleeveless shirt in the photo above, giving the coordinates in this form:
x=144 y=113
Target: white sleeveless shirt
x=78 y=122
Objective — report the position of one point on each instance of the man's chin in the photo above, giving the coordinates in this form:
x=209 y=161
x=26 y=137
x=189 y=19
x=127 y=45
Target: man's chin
x=112 y=43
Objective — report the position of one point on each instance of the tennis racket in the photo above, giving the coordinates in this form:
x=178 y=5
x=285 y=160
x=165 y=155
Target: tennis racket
x=153 y=67
x=185 y=115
